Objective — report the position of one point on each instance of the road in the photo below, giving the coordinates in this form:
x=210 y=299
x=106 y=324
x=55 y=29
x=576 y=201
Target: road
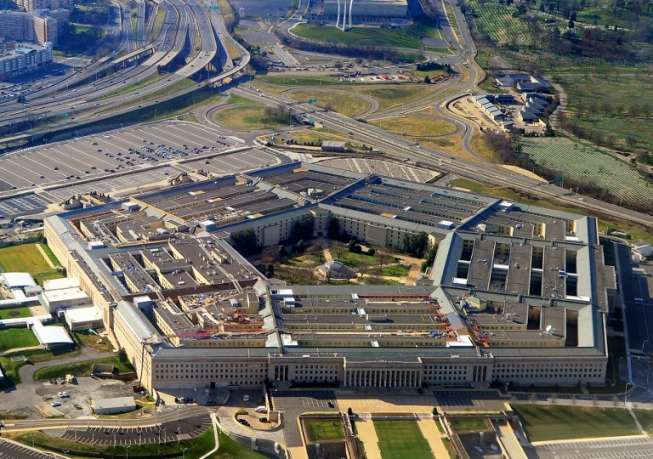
x=399 y=148
x=25 y=393
x=161 y=417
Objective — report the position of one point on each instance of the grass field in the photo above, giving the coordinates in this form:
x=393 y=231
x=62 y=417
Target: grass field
x=11 y=338
x=645 y=418
x=610 y=100
x=298 y=80
x=391 y=96
x=28 y=258
x=544 y=423
x=589 y=165
x=80 y=368
x=338 y=101
x=355 y=260
x=401 y=440
x=499 y=22
x=14 y=313
x=395 y=270
x=400 y=37
x=243 y=114
x=422 y=125
x=463 y=424
x=190 y=449
x=320 y=429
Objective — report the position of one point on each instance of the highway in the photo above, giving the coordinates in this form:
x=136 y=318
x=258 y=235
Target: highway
x=189 y=21
x=398 y=148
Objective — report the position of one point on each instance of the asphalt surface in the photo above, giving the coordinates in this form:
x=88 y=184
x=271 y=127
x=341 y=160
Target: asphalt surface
x=631 y=448
x=13 y=451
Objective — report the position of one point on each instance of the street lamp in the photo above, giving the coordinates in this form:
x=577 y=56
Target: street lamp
x=626 y=394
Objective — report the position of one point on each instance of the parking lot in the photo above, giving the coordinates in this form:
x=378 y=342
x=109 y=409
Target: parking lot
x=631 y=448
x=77 y=403
x=387 y=168
x=22 y=205
x=228 y=164
x=117 y=164
x=13 y=451
x=294 y=403
x=122 y=436
x=111 y=152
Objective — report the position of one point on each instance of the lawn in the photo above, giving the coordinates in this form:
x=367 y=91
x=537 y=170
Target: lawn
x=394 y=95
x=82 y=368
x=245 y=116
x=401 y=440
x=645 y=418
x=28 y=258
x=11 y=338
x=192 y=449
x=15 y=313
x=299 y=80
x=399 y=37
x=95 y=342
x=354 y=260
x=338 y=101
x=591 y=166
x=463 y=424
x=321 y=429
x=499 y=22
x=10 y=370
x=545 y=423
x=395 y=270
x=421 y=125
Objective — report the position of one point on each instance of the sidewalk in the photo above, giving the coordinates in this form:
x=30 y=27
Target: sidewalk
x=433 y=437
x=367 y=434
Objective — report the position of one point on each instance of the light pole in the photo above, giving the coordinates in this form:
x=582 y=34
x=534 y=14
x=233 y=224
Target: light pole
x=626 y=394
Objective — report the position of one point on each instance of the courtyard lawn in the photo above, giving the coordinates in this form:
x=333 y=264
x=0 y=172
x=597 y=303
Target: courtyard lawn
x=321 y=429
x=12 y=338
x=470 y=424
x=401 y=440
x=15 y=313
x=545 y=423
x=354 y=260
x=396 y=270
x=28 y=258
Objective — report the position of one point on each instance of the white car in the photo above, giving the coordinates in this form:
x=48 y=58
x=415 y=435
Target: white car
x=55 y=404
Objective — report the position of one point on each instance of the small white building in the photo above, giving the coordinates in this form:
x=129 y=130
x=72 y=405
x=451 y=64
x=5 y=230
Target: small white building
x=83 y=318
x=60 y=284
x=63 y=298
x=17 y=280
x=52 y=336
x=113 y=405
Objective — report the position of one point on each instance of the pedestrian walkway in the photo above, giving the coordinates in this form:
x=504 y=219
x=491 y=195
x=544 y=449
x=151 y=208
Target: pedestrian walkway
x=510 y=442
x=433 y=437
x=367 y=434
